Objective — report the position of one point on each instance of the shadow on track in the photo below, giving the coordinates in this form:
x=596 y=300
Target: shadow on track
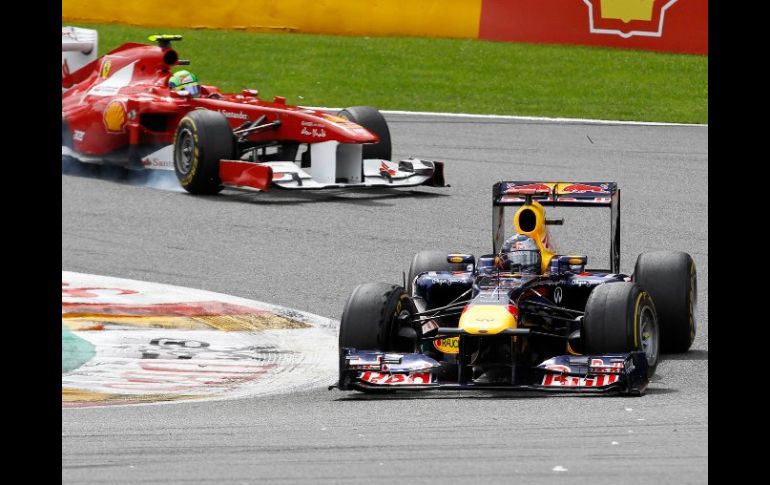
x=661 y=391
x=154 y=179
x=278 y=197
x=690 y=355
x=500 y=396
x=411 y=396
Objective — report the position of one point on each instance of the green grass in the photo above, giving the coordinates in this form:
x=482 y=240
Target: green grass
x=448 y=75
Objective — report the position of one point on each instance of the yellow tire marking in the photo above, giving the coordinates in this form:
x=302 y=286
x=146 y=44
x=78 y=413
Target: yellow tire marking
x=692 y=298
x=636 y=319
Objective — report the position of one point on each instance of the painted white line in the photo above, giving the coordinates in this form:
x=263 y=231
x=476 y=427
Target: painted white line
x=525 y=118
x=544 y=118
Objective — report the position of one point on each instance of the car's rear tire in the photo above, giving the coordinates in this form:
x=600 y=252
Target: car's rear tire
x=429 y=261
x=670 y=277
x=202 y=139
x=620 y=318
x=370 y=319
x=372 y=120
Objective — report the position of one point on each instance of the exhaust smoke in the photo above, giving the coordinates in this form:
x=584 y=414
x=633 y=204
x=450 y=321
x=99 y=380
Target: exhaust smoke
x=154 y=179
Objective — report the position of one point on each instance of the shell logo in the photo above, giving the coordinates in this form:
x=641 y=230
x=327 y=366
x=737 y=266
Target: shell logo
x=628 y=18
x=627 y=10
x=115 y=117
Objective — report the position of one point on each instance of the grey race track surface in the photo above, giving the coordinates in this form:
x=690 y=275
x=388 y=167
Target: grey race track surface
x=309 y=250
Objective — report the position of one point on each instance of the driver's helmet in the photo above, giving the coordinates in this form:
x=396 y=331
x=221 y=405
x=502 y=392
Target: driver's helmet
x=520 y=254
x=185 y=81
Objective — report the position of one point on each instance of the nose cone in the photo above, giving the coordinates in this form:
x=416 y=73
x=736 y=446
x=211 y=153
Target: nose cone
x=487 y=319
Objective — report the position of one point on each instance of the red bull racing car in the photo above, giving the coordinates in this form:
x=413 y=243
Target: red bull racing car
x=523 y=317
x=118 y=109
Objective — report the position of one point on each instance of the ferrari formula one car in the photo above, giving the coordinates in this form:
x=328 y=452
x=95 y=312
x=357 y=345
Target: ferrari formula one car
x=465 y=323
x=118 y=109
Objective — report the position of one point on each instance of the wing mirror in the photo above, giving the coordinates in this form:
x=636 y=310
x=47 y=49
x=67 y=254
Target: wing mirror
x=466 y=259
x=575 y=264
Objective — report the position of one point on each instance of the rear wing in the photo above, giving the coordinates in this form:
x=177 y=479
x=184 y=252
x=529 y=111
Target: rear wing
x=79 y=47
x=575 y=194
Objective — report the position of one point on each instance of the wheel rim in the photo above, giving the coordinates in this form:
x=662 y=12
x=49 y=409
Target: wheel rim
x=648 y=328
x=185 y=150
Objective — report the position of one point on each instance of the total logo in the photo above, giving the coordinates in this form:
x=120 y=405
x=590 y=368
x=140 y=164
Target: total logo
x=628 y=18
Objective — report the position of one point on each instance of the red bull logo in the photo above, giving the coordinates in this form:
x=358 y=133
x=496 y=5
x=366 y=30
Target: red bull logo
x=560 y=380
x=628 y=18
x=530 y=188
x=583 y=189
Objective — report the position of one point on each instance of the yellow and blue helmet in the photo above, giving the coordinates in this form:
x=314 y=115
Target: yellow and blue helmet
x=520 y=254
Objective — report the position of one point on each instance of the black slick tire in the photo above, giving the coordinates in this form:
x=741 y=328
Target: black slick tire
x=370 y=319
x=371 y=119
x=620 y=318
x=670 y=277
x=202 y=139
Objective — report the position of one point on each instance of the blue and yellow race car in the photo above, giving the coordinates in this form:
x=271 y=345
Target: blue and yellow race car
x=522 y=317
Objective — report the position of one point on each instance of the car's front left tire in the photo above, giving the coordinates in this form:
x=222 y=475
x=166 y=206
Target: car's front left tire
x=671 y=279
x=621 y=318
x=371 y=119
x=430 y=260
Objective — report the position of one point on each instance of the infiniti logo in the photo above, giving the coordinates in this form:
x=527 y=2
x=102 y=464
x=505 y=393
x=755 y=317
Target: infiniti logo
x=557 y=294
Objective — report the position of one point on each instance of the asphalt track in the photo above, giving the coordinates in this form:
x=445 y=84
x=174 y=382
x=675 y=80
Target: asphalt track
x=309 y=250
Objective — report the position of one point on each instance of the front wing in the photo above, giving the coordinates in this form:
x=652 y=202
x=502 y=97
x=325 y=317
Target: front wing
x=369 y=173
x=372 y=173
x=613 y=373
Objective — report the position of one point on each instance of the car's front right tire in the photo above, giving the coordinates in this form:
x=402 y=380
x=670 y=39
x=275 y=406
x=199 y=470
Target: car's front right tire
x=202 y=139
x=371 y=318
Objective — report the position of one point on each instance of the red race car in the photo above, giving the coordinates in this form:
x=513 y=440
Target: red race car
x=119 y=109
